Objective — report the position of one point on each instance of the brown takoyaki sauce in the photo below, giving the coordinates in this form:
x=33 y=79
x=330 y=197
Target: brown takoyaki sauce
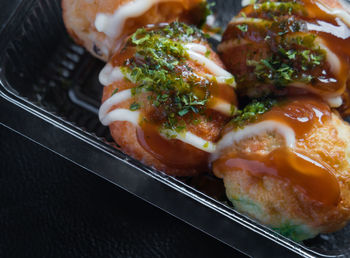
x=171 y=152
x=294 y=43
x=312 y=176
x=174 y=92
x=301 y=114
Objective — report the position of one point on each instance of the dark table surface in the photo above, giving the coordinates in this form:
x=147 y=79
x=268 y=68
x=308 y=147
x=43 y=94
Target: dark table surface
x=53 y=208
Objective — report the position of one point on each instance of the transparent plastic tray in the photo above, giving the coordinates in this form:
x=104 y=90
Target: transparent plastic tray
x=49 y=93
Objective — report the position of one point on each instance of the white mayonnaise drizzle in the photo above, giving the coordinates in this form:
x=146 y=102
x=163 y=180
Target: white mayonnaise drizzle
x=117 y=98
x=209 y=64
x=121 y=114
x=191 y=139
x=110 y=74
x=332 y=58
x=340 y=30
x=196 y=48
x=112 y=24
x=220 y=74
x=223 y=79
x=222 y=107
x=247 y=2
x=255 y=130
x=196 y=51
x=335 y=102
x=211 y=20
x=337 y=12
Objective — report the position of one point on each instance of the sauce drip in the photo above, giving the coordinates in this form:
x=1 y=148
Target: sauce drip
x=224 y=92
x=313 y=177
x=315 y=180
x=171 y=152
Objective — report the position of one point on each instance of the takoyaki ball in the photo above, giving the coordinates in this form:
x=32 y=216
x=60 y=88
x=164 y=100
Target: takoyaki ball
x=166 y=98
x=286 y=164
x=289 y=48
x=102 y=25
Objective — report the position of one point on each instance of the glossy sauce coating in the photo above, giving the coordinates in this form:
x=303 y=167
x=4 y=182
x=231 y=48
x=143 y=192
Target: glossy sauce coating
x=204 y=124
x=256 y=39
x=301 y=114
x=313 y=177
x=171 y=152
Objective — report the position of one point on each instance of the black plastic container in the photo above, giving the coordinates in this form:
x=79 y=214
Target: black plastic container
x=49 y=93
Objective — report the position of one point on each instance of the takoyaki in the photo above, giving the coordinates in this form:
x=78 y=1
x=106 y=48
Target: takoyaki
x=287 y=164
x=290 y=48
x=102 y=25
x=167 y=97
